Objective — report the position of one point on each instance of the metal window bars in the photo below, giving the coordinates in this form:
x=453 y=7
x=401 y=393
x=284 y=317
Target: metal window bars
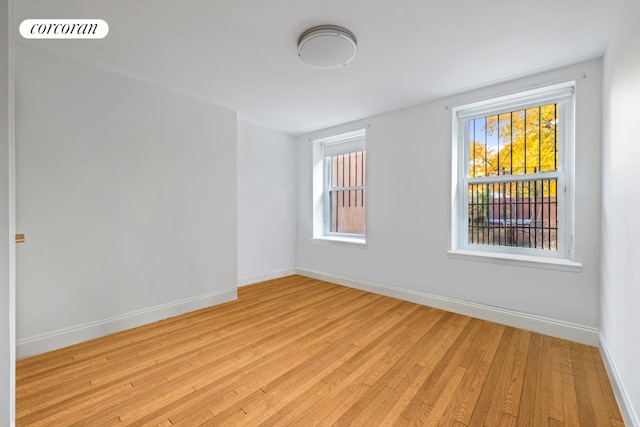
x=513 y=178
x=520 y=213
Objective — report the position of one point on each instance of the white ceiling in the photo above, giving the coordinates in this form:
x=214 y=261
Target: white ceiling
x=241 y=54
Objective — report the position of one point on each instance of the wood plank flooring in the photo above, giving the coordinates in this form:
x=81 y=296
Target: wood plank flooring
x=301 y=352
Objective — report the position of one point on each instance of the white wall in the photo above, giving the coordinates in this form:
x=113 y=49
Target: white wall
x=7 y=219
x=409 y=167
x=266 y=204
x=127 y=196
x=620 y=267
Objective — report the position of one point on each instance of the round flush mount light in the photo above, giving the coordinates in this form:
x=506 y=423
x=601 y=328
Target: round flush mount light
x=327 y=46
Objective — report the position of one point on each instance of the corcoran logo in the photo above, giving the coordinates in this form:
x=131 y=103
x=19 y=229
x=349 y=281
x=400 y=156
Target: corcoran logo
x=64 y=29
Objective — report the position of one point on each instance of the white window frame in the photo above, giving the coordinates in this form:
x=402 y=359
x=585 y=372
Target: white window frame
x=564 y=95
x=344 y=142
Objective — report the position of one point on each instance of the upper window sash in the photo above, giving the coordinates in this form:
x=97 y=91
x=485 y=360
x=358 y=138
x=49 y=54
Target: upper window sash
x=561 y=94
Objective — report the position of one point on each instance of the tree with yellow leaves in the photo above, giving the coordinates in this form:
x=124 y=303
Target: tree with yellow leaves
x=514 y=143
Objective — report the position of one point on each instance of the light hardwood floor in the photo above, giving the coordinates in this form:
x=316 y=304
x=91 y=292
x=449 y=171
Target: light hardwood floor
x=298 y=351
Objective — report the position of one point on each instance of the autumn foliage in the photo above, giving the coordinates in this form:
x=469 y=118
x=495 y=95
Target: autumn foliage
x=515 y=143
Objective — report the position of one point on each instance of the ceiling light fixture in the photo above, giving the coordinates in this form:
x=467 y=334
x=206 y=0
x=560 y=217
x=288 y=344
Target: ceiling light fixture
x=327 y=46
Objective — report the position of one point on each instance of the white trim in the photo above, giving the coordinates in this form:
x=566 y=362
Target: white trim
x=514 y=178
x=583 y=334
x=516 y=100
x=326 y=134
x=629 y=415
x=268 y=276
x=354 y=242
x=76 y=334
x=343 y=143
x=518 y=260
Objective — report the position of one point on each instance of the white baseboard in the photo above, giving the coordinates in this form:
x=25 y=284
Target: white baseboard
x=557 y=328
x=629 y=415
x=69 y=336
x=261 y=278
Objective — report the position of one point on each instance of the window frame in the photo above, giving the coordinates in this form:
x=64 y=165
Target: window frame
x=564 y=95
x=335 y=144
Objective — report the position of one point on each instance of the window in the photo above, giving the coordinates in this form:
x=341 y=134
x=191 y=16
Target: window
x=340 y=187
x=513 y=174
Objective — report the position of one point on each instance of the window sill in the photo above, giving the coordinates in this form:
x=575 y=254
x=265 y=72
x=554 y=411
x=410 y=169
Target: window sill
x=353 y=242
x=517 y=260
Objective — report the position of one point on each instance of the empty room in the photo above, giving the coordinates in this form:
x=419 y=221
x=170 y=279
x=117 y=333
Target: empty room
x=374 y=213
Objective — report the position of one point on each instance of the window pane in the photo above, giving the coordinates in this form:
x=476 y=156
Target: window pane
x=348 y=211
x=548 y=138
x=347 y=193
x=514 y=213
x=514 y=143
